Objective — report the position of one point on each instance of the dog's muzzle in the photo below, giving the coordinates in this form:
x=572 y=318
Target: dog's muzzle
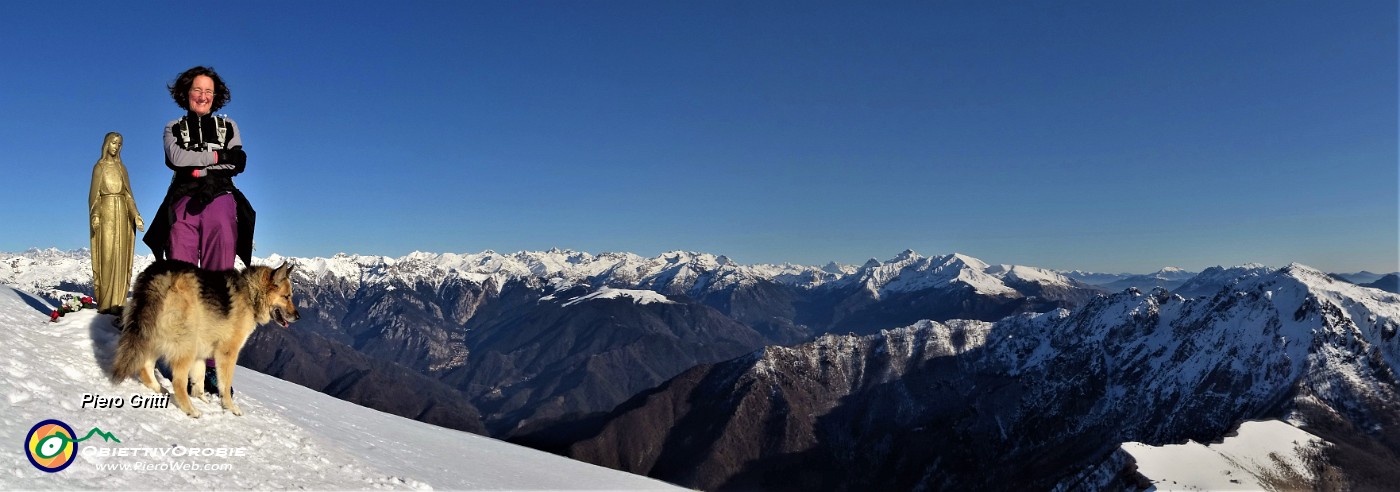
x=283 y=318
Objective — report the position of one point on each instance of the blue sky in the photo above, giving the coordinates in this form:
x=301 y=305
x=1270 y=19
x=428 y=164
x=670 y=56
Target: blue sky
x=1105 y=136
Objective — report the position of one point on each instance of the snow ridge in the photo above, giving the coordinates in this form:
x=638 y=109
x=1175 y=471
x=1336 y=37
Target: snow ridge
x=911 y=272
x=1212 y=279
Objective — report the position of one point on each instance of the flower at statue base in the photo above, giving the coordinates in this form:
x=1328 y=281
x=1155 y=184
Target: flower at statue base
x=68 y=304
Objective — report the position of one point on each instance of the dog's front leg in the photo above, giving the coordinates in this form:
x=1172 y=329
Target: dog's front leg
x=224 y=362
x=180 y=370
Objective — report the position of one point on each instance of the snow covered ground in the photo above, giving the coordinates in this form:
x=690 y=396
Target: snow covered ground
x=1262 y=452
x=289 y=437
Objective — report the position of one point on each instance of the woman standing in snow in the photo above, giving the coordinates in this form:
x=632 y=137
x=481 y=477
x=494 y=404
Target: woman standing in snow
x=204 y=219
x=114 y=218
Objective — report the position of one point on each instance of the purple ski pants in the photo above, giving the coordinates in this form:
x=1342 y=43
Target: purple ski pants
x=208 y=239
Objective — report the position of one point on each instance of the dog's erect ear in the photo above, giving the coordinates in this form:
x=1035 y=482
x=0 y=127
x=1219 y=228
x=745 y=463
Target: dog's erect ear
x=283 y=272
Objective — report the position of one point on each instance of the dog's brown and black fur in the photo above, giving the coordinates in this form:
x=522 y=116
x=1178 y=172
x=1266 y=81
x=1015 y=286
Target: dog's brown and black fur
x=184 y=315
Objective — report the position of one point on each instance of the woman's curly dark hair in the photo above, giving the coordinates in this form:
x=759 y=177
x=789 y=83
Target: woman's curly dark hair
x=180 y=89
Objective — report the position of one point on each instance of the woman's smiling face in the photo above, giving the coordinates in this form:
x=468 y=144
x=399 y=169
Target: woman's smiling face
x=201 y=95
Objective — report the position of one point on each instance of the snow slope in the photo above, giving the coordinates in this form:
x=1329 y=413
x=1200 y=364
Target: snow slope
x=289 y=436
x=637 y=296
x=1262 y=456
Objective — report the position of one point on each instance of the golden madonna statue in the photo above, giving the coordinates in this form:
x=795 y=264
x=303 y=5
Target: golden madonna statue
x=114 y=217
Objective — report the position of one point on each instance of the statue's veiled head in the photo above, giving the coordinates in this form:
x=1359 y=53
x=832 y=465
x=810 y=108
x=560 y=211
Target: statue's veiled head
x=112 y=146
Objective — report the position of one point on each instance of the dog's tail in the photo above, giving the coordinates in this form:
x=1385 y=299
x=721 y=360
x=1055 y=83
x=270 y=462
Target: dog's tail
x=129 y=358
x=138 y=320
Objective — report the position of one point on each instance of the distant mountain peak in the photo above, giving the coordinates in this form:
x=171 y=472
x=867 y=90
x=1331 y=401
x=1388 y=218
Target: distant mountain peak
x=910 y=271
x=968 y=261
x=905 y=255
x=833 y=267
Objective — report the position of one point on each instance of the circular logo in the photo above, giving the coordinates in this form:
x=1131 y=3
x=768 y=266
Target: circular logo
x=50 y=445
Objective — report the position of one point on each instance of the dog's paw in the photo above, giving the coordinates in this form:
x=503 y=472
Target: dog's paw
x=194 y=413
x=236 y=411
x=203 y=397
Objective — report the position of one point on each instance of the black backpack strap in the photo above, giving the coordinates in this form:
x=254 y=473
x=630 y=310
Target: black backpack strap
x=182 y=133
x=221 y=128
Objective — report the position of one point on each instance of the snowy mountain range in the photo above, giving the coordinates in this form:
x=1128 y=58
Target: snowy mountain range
x=672 y=273
x=441 y=319
x=933 y=372
x=1030 y=402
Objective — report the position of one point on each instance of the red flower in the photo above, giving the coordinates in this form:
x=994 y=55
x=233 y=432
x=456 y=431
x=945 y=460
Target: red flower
x=54 y=316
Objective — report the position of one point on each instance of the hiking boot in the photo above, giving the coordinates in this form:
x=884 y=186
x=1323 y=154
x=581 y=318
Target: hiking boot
x=211 y=384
